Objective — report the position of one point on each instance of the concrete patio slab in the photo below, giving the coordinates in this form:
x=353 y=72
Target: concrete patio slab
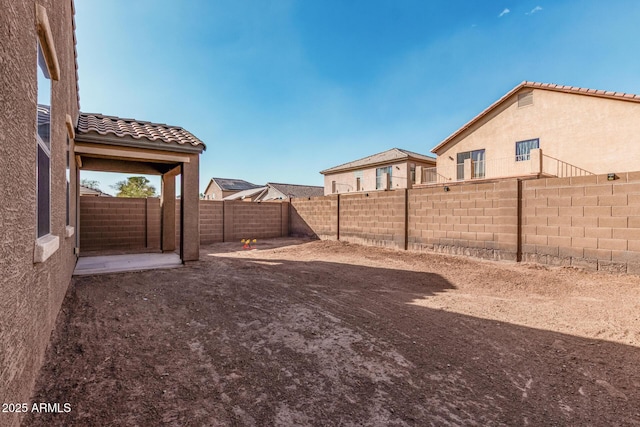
x=121 y=263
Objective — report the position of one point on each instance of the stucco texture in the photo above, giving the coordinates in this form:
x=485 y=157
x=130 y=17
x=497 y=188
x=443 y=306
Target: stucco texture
x=31 y=293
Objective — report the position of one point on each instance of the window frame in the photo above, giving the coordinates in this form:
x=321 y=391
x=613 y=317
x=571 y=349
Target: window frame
x=71 y=201
x=384 y=169
x=43 y=146
x=527 y=156
x=460 y=166
x=46 y=244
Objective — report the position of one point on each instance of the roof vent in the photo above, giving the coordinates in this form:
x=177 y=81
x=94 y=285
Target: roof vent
x=525 y=99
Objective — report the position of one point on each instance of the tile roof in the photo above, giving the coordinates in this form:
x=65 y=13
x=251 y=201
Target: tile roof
x=245 y=193
x=231 y=184
x=295 y=190
x=384 y=157
x=137 y=129
x=621 y=96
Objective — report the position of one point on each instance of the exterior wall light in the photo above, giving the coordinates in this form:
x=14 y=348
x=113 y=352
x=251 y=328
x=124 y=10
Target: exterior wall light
x=446 y=188
x=611 y=177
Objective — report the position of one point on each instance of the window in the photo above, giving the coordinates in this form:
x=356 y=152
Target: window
x=380 y=184
x=477 y=158
x=333 y=187
x=358 y=184
x=523 y=149
x=43 y=146
x=412 y=172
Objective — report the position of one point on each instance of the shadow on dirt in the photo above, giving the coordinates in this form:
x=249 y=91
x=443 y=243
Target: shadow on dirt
x=263 y=341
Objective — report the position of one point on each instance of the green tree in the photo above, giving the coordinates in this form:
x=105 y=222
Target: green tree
x=90 y=183
x=135 y=186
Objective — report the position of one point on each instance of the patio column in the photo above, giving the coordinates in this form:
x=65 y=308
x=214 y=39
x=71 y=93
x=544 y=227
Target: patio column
x=168 y=208
x=190 y=212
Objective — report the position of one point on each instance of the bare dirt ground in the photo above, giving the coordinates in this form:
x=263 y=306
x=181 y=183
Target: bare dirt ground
x=328 y=333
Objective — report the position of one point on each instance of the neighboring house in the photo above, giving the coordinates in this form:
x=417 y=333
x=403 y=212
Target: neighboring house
x=250 y=195
x=542 y=129
x=390 y=170
x=92 y=192
x=219 y=188
x=44 y=142
x=277 y=191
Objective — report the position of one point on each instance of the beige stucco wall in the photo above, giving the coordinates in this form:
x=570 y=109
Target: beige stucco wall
x=596 y=134
x=346 y=181
x=31 y=293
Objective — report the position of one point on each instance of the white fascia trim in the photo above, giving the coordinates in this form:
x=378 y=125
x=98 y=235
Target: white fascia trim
x=45 y=247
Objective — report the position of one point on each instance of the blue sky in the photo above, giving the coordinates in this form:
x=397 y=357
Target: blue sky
x=279 y=90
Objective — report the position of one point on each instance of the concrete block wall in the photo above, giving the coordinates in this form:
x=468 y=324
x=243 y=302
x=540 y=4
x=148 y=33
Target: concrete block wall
x=376 y=218
x=154 y=222
x=235 y=220
x=472 y=219
x=586 y=222
x=583 y=221
x=315 y=217
x=110 y=223
x=211 y=221
x=246 y=220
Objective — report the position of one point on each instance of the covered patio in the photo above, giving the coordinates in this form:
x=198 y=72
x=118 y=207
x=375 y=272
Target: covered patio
x=113 y=144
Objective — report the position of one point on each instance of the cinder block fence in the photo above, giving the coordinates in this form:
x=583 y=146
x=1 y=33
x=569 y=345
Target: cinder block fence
x=109 y=223
x=228 y=221
x=587 y=221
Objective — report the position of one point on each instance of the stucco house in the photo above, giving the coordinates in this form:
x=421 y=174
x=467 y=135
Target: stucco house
x=277 y=191
x=250 y=195
x=539 y=129
x=219 y=188
x=389 y=170
x=44 y=142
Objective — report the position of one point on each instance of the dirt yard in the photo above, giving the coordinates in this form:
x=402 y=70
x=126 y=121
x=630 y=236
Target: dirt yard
x=327 y=333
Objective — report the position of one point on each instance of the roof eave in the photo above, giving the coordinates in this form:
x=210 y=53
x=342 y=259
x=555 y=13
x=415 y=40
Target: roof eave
x=484 y=112
x=145 y=143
